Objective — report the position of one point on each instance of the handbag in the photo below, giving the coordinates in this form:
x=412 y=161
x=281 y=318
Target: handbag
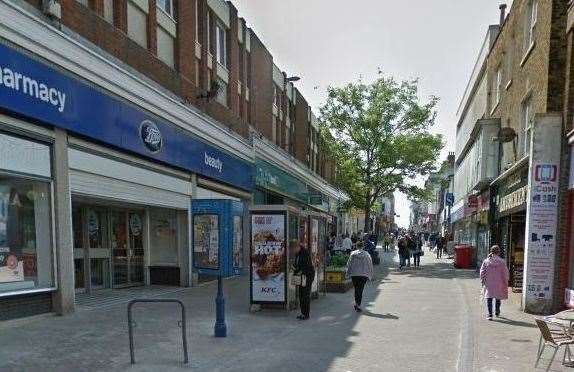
x=299 y=280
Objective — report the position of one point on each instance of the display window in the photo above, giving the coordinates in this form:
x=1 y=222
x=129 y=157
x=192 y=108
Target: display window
x=26 y=260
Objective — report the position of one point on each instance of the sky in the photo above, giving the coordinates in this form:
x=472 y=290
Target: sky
x=332 y=42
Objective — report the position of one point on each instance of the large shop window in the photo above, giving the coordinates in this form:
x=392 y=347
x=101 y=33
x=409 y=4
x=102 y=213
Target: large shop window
x=25 y=234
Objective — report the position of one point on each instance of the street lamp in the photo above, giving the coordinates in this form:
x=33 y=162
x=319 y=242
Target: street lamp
x=292 y=79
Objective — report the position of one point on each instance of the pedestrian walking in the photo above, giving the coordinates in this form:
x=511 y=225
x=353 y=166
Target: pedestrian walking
x=347 y=244
x=403 y=251
x=494 y=277
x=440 y=241
x=415 y=250
x=303 y=267
x=360 y=270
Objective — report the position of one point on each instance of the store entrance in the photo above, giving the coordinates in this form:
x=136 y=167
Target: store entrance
x=108 y=247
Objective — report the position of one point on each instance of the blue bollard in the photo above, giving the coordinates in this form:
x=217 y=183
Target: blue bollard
x=220 y=326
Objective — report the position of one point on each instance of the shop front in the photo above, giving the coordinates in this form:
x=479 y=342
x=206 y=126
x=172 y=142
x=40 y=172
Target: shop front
x=509 y=226
x=108 y=197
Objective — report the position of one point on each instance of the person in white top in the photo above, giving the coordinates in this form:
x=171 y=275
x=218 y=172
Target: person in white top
x=347 y=244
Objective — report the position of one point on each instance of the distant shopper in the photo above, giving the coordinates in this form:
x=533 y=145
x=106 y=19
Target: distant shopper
x=347 y=244
x=494 y=277
x=304 y=267
x=440 y=245
x=360 y=270
x=416 y=249
x=403 y=251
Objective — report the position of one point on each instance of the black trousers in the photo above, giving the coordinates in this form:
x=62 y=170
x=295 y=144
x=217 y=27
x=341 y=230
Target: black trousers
x=489 y=305
x=359 y=284
x=438 y=252
x=417 y=259
x=305 y=297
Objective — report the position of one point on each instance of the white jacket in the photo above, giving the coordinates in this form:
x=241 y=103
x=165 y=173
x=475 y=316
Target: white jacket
x=360 y=264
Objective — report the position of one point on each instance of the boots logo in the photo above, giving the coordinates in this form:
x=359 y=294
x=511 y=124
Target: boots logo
x=151 y=136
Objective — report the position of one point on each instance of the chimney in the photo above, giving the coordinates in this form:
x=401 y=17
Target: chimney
x=502 y=8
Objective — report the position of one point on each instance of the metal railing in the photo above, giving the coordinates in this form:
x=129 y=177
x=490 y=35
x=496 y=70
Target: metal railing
x=182 y=324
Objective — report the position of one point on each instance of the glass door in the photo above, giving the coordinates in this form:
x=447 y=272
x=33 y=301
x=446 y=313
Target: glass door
x=136 y=248
x=99 y=252
x=119 y=245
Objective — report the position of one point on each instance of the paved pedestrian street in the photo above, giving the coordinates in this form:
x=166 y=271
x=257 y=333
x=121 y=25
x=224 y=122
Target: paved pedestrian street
x=414 y=320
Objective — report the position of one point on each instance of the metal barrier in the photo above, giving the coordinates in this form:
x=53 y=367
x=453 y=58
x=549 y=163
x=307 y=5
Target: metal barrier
x=182 y=324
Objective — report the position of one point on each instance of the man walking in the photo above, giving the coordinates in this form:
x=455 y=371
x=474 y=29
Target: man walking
x=439 y=246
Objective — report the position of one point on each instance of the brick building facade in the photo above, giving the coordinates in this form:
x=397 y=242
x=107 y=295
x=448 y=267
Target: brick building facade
x=208 y=42
x=525 y=74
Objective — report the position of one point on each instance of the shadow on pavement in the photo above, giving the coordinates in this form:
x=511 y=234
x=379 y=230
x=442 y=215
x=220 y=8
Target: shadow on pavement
x=380 y=316
x=517 y=323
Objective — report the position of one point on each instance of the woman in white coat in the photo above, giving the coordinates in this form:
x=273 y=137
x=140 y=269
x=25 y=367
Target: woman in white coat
x=360 y=270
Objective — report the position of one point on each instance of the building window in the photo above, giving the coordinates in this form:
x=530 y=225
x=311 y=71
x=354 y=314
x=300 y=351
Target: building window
x=165 y=47
x=526 y=119
x=137 y=24
x=509 y=57
x=166 y=6
x=530 y=25
x=109 y=11
x=221 y=92
x=221 y=44
x=25 y=234
x=497 y=87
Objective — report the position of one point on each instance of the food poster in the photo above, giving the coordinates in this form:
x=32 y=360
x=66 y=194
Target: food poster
x=315 y=252
x=206 y=241
x=268 y=263
x=11 y=265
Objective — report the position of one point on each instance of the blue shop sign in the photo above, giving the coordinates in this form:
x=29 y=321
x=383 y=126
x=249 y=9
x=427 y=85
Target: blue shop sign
x=34 y=90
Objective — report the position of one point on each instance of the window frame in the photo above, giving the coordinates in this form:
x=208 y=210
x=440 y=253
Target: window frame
x=221 y=44
x=530 y=25
x=526 y=124
x=171 y=12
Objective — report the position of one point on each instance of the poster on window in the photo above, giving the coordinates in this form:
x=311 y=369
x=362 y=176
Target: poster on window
x=268 y=263
x=11 y=267
x=206 y=241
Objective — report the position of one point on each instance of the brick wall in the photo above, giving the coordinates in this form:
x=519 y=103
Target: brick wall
x=189 y=79
x=302 y=141
x=261 y=87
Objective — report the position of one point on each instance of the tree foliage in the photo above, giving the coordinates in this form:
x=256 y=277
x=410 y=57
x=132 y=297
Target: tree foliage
x=379 y=136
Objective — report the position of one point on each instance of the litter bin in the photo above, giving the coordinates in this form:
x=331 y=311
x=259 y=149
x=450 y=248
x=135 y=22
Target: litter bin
x=463 y=256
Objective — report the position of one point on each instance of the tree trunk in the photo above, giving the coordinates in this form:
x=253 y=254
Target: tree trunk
x=367 y=215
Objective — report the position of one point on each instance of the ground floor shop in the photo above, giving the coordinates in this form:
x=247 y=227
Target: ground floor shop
x=102 y=202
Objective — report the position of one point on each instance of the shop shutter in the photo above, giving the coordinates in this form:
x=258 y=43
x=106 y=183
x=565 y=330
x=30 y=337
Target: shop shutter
x=93 y=175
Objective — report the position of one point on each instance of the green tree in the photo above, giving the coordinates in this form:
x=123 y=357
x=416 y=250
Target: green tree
x=379 y=136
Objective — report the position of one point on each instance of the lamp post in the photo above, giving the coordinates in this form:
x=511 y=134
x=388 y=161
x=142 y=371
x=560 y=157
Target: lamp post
x=220 y=328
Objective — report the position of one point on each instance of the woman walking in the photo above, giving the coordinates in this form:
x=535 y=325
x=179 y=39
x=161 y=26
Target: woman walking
x=494 y=277
x=360 y=270
x=304 y=267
